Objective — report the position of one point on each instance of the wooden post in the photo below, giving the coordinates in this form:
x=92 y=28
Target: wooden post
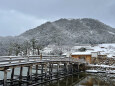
x=21 y=71
x=67 y=68
x=12 y=74
x=85 y=67
x=66 y=81
x=50 y=70
x=57 y=69
x=72 y=79
x=42 y=69
x=45 y=70
x=41 y=56
x=78 y=67
x=5 y=77
x=58 y=82
x=10 y=60
x=72 y=68
x=64 y=69
x=28 y=59
x=29 y=73
x=42 y=66
x=36 y=71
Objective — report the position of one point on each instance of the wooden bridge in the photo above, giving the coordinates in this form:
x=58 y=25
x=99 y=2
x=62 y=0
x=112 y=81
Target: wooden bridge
x=46 y=68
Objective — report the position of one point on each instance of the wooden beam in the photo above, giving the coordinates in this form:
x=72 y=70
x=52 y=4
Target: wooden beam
x=57 y=67
x=21 y=71
x=67 y=70
x=30 y=72
x=5 y=77
x=58 y=82
x=72 y=68
x=36 y=75
x=42 y=69
x=78 y=67
x=12 y=74
x=45 y=70
x=51 y=70
x=66 y=81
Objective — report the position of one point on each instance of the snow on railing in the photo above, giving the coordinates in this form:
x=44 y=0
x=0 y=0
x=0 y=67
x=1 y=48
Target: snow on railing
x=18 y=59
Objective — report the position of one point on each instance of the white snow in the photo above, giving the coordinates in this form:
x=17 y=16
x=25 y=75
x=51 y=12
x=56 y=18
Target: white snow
x=108 y=68
x=81 y=53
x=111 y=71
x=111 y=33
x=104 y=66
x=93 y=71
x=101 y=49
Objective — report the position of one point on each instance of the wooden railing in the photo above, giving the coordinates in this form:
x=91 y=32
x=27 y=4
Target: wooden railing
x=19 y=59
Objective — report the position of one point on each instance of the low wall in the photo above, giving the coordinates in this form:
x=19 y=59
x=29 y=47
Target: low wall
x=103 y=60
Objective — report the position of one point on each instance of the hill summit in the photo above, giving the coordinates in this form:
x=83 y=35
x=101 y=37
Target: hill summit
x=65 y=31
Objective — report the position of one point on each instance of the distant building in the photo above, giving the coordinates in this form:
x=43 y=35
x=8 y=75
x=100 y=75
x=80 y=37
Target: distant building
x=92 y=52
x=86 y=56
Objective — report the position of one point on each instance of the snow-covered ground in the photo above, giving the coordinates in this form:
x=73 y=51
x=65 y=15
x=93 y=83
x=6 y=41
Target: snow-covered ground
x=101 y=69
x=102 y=65
x=106 y=49
x=102 y=49
x=104 y=68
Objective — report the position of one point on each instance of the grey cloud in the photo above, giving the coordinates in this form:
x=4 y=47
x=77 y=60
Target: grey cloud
x=43 y=10
x=14 y=22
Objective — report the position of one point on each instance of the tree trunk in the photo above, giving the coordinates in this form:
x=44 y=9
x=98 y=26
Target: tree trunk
x=38 y=51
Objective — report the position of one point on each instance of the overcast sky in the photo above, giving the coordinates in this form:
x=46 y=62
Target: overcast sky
x=17 y=16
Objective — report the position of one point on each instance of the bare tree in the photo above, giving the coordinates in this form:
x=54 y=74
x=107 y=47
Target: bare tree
x=39 y=47
x=16 y=48
x=33 y=43
x=25 y=47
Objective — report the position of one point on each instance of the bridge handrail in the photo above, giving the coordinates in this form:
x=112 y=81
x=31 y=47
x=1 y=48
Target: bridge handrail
x=11 y=59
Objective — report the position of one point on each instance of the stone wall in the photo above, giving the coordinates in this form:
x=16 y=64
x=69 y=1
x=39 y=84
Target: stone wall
x=103 y=60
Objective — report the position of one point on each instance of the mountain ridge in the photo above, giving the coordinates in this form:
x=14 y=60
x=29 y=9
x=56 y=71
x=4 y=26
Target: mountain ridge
x=64 y=32
x=71 y=29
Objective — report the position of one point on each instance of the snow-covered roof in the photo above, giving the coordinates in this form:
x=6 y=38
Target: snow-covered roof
x=81 y=53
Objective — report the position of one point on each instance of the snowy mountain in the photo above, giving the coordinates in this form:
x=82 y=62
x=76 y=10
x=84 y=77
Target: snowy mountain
x=72 y=31
x=64 y=32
